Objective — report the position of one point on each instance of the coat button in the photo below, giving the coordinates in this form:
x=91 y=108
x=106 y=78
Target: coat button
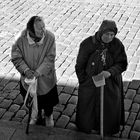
x=93 y=64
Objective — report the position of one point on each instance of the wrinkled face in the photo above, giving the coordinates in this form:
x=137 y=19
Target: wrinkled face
x=39 y=27
x=108 y=36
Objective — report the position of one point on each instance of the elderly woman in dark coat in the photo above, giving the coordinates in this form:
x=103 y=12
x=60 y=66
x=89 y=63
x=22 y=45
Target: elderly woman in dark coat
x=102 y=53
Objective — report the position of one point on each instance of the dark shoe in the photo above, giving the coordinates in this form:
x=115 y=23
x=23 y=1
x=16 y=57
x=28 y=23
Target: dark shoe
x=40 y=121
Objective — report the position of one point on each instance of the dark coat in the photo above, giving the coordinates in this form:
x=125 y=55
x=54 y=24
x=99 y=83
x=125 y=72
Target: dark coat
x=88 y=64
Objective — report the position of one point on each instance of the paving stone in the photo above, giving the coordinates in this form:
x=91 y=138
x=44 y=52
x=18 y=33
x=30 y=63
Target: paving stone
x=138 y=91
x=1 y=99
x=137 y=99
x=5 y=103
x=75 y=92
x=23 y=107
x=137 y=126
x=62 y=121
x=130 y=94
x=68 y=89
x=134 y=135
x=126 y=115
x=18 y=100
x=56 y=115
x=134 y=59
x=5 y=81
x=132 y=67
x=7 y=116
x=62 y=80
x=20 y=114
x=72 y=82
x=126 y=131
x=25 y=119
x=63 y=98
x=127 y=104
x=69 y=110
x=135 y=107
x=59 y=89
x=5 y=94
x=10 y=85
x=138 y=117
x=14 y=108
x=59 y=107
x=131 y=118
x=72 y=126
x=134 y=84
x=65 y=64
x=136 y=75
x=125 y=85
x=73 y=117
x=2 y=111
x=73 y=100
x=13 y=94
x=128 y=75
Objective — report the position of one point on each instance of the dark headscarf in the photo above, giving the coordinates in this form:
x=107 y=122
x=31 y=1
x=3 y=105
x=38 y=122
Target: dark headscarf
x=106 y=25
x=30 y=28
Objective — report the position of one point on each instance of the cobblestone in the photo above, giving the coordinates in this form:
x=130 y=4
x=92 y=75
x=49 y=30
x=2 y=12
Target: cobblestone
x=131 y=118
x=62 y=121
x=135 y=107
x=8 y=115
x=2 y=111
x=14 y=108
x=134 y=135
x=130 y=94
x=137 y=125
x=5 y=103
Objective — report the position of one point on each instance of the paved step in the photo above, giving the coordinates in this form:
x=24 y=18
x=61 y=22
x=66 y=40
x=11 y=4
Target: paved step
x=16 y=131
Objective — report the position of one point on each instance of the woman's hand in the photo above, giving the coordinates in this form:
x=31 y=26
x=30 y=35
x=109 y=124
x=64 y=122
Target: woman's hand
x=29 y=74
x=106 y=74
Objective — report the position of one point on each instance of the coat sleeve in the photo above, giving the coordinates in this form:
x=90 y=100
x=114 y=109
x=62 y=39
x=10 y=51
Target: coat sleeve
x=49 y=60
x=120 y=61
x=81 y=62
x=17 y=58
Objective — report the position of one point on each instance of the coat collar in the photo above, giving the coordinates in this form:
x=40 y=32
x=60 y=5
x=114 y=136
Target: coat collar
x=31 y=41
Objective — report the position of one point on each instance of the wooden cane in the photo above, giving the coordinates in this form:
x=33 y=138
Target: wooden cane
x=102 y=112
x=29 y=118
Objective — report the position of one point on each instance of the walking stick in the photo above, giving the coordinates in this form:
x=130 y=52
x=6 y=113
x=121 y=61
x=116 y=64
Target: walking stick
x=102 y=112
x=31 y=101
x=29 y=117
x=99 y=81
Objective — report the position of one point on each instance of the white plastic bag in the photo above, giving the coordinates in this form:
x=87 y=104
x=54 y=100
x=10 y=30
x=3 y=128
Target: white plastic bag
x=32 y=91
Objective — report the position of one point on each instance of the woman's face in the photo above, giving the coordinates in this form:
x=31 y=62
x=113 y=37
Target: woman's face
x=39 y=28
x=108 y=37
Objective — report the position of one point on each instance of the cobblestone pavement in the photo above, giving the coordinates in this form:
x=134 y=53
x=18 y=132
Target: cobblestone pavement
x=71 y=21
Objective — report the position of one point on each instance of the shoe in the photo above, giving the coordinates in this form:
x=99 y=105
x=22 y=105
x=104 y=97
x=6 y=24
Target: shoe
x=49 y=121
x=40 y=121
x=32 y=121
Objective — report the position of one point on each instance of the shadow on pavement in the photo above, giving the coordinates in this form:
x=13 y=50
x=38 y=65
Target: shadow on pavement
x=12 y=109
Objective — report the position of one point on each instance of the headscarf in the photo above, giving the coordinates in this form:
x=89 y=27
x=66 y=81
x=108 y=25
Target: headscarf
x=106 y=25
x=30 y=28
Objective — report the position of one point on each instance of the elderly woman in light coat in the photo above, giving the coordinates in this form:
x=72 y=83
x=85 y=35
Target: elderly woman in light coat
x=33 y=55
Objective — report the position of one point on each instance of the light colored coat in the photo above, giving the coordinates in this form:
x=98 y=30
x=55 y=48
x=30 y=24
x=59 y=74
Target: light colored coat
x=38 y=57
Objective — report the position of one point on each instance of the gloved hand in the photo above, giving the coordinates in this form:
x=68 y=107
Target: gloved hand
x=29 y=74
x=106 y=74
